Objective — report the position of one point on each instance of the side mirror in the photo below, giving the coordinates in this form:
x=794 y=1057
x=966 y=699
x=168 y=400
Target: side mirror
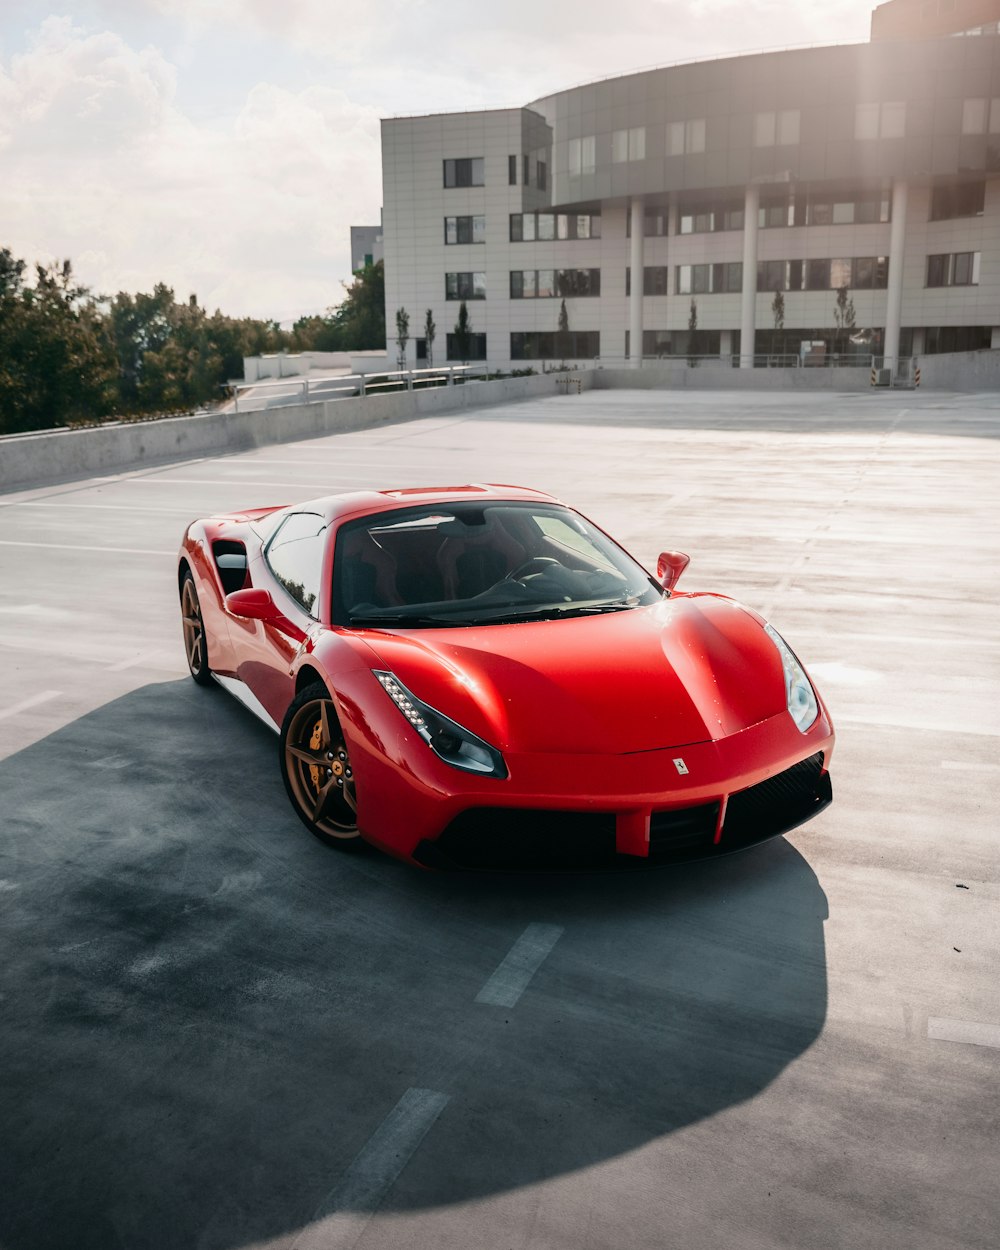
x=669 y=566
x=253 y=604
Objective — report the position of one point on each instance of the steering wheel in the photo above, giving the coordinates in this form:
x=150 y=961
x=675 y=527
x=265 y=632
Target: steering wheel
x=537 y=564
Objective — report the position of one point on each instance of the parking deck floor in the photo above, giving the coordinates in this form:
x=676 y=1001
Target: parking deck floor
x=215 y=1033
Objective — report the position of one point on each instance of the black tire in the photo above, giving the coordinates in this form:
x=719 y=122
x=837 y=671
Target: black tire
x=195 y=642
x=316 y=769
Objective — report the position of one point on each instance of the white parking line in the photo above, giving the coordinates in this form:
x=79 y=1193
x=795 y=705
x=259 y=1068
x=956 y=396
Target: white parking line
x=42 y=697
x=102 y=507
x=342 y=1216
x=215 y=482
x=972 y=1032
x=519 y=965
x=967 y=766
x=128 y=551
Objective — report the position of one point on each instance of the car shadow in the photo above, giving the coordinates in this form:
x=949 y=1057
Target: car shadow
x=207 y=1013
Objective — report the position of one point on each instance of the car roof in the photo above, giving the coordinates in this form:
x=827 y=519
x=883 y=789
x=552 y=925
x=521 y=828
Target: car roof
x=363 y=503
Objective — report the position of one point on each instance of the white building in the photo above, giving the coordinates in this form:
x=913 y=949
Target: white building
x=873 y=167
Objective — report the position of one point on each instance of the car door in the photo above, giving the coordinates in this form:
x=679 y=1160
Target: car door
x=290 y=567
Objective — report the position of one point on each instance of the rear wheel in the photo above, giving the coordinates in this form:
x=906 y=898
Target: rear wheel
x=316 y=769
x=194 y=632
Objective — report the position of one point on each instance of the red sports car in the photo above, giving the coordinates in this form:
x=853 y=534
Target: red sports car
x=479 y=677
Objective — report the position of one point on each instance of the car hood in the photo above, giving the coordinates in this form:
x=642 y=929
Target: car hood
x=688 y=669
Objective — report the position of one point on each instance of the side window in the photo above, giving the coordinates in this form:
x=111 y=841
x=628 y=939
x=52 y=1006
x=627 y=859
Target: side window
x=295 y=557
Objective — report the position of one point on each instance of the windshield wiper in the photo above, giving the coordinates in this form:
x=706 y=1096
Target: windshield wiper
x=408 y=622
x=556 y=612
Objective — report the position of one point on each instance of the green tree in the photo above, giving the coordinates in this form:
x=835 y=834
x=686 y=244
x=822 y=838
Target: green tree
x=778 y=313
x=430 y=333
x=402 y=335
x=57 y=363
x=844 y=318
x=562 y=334
x=463 y=334
x=693 y=334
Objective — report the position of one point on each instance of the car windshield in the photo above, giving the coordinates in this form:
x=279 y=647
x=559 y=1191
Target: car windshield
x=480 y=564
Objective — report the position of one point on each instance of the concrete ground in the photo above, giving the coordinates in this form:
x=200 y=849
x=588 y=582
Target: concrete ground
x=216 y=1033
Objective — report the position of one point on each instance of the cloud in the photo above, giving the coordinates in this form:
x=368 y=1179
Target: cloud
x=251 y=214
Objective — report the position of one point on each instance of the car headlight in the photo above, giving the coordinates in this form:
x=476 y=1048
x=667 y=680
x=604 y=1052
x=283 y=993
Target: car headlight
x=446 y=738
x=802 y=702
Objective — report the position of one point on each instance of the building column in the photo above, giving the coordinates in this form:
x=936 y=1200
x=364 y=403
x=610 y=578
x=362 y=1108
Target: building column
x=748 y=302
x=894 y=295
x=725 y=344
x=635 y=299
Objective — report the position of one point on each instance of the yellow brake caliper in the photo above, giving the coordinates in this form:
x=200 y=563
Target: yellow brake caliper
x=315 y=742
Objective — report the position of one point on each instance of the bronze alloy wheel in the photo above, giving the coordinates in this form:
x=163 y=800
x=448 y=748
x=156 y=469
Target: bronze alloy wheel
x=317 y=769
x=194 y=633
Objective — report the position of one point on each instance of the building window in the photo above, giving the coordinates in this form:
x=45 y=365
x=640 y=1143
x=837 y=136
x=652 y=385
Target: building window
x=526 y=162
x=466 y=171
x=512 y=171
x=477 y=347
x=779 y=213
x=654 y=223
x=661 y=343
x=541 y=173
x=686 y=136
x=967 y=199
x=554 y=283
x=863 y=273
x=981 y=116
x=885 y=120
x=628 y=145
x=582 y=156
x=529 y=227
x=465 y=286
x=655 y=280
x=465 y=230
x=726 y=276
x=548 y=345
x=709 y=217
x=862 y=209
x=776 y=128
x=953 y=269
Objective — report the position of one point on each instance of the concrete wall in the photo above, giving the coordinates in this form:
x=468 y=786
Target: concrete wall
x=960 y=371
x=722 y=377
x=28 y=460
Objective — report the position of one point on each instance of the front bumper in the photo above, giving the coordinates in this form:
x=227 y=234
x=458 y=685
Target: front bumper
x=503 y=838
x=557 y=810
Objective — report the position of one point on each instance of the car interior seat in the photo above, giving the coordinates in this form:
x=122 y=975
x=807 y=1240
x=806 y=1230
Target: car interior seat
x=368 y=572
x=473 y=558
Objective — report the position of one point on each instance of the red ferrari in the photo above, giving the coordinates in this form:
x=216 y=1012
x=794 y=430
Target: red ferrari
x=479 y=677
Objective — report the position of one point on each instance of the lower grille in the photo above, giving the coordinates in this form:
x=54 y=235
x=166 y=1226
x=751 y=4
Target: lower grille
x=776 y=805
x=540 y=840
x=523 y=839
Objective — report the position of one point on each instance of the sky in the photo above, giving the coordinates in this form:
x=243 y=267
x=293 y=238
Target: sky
x=226 y=147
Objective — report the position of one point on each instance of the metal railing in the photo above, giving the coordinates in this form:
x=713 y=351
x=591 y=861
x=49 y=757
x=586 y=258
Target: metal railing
x=734 y=360
x=305 y=390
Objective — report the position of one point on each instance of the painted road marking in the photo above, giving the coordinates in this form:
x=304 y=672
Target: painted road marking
x=520 y=964
x=972 y=1032
x=964 y=766
x=102 y=507
x=128 y=551
x=917 y=724
x=144 y=657
x=43 y=696
x=341 y=1217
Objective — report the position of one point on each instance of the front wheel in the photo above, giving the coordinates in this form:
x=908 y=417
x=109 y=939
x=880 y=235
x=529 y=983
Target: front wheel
x=316 y=769
x=195 y=647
